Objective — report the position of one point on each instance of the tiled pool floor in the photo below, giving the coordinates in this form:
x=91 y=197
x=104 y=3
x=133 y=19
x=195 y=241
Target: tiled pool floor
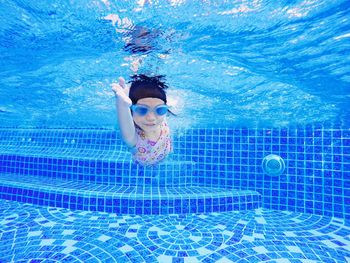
x=45 y=234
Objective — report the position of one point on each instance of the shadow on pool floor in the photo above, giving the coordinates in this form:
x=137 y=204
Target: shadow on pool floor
x=46 y=234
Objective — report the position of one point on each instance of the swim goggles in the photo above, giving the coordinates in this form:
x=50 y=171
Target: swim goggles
x=142 y=110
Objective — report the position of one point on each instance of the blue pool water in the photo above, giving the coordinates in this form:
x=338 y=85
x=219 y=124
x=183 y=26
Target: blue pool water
x=261 y=164
x=251 y=63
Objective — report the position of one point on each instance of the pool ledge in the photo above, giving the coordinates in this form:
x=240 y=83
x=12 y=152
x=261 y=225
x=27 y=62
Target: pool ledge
x=125 y=199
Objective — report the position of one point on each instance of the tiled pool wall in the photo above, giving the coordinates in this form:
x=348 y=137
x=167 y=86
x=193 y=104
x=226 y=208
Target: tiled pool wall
x=317 y=175
x=316 y=179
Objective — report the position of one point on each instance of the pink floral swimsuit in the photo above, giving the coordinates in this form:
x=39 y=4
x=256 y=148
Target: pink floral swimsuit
x=148 y=152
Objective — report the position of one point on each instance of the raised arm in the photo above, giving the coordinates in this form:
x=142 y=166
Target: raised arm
x=123 y=103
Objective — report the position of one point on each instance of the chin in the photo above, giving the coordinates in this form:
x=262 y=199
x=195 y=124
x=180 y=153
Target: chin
x=150 y=128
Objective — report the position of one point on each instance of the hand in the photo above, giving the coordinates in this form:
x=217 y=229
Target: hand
x=121 y=90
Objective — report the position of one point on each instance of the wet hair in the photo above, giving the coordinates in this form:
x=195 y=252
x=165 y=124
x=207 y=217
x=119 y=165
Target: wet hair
x=143 y=86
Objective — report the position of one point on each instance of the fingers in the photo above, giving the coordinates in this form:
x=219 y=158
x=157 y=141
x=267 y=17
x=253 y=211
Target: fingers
x=115 y=87
x=127 y=90
x=122 y=82
x=121 y=87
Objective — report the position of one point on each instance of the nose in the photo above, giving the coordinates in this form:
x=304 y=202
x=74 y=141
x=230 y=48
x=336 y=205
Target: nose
x=150 y=115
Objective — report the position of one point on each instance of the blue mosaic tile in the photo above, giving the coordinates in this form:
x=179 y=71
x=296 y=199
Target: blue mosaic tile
x=203 y=157
x=245 y=236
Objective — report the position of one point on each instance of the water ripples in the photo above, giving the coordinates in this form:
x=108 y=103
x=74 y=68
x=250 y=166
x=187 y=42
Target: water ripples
x=270 y=64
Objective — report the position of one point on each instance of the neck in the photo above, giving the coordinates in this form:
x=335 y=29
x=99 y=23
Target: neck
x=153 y=135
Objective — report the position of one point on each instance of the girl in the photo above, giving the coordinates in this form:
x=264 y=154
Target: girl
x=142 y=110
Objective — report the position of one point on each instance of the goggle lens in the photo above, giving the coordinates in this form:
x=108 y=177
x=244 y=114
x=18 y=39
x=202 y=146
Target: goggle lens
x=142 y=110
x=161 y=110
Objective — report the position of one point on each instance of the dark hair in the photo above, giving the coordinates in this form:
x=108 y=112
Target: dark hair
x=143 y=86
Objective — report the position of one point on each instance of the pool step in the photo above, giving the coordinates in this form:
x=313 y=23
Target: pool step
x=124 y=199
x=109 y=167
x=96 y=156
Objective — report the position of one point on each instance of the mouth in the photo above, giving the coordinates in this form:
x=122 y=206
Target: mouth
x=150 y=124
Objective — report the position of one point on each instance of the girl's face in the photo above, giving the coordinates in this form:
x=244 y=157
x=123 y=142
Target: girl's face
x=151 y=121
